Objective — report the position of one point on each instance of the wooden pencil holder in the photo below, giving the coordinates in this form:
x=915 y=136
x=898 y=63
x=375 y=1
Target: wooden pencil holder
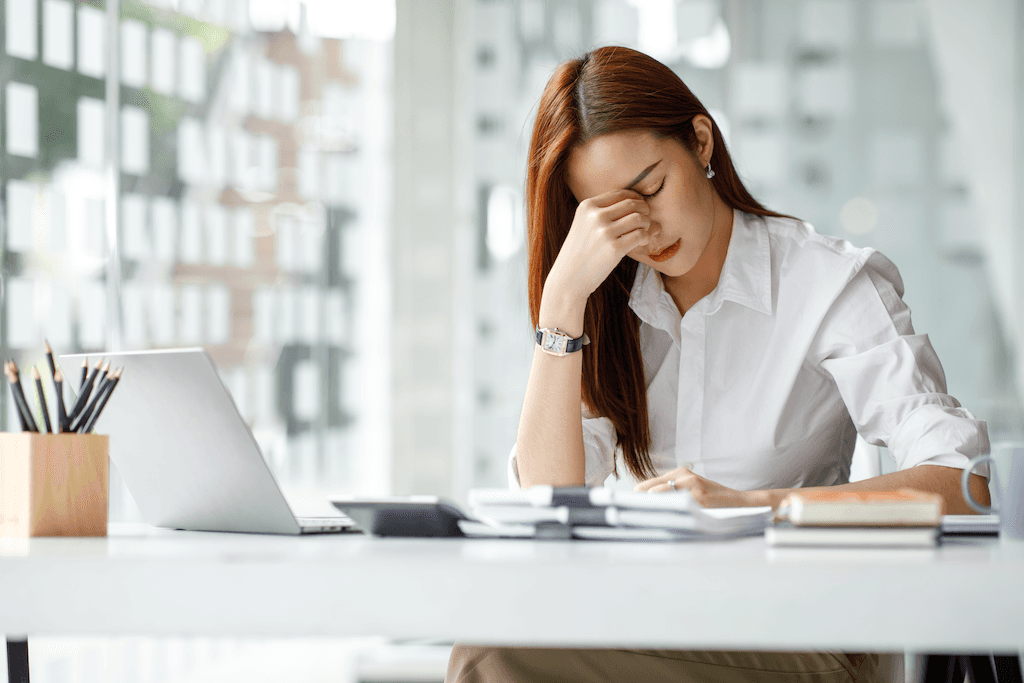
x=53 y=484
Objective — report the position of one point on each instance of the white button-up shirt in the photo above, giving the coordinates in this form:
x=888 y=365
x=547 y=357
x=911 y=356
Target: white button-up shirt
x=765 y=382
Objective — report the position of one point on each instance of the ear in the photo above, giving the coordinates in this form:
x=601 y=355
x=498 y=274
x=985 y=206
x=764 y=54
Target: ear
x=702 y=129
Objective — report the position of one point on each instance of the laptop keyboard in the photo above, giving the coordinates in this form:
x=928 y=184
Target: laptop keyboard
x=324 y=525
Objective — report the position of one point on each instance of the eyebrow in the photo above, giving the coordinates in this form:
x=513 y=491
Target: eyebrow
x=643 y=174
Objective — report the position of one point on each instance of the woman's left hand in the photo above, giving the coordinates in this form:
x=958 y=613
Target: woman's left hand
x=705 y=492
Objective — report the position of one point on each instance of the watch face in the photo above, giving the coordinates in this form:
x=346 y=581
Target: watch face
x=553 y=342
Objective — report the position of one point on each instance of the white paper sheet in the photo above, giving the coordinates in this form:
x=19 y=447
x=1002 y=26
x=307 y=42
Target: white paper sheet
x=92 y=42
x=20 y=21
x=165 y=229
x=135 y=227
x=21 y=210
x=91 y=132
x=134 y=140
x=92 y=315
x=190 y=321
x=191 y=233
x=216 y=235
x=22 y=120
x=58 y=34
x=134 y=53
x=244 y=252
x=218 y=314
x=163 y=65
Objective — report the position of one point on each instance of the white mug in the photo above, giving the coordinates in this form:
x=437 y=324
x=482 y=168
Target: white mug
x=1006 y=465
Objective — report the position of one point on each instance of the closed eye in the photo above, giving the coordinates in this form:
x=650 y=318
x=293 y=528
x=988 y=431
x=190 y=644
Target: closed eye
x=660 y=187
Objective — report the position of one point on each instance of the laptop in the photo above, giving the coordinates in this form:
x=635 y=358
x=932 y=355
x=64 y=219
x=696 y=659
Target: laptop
x=184 y=451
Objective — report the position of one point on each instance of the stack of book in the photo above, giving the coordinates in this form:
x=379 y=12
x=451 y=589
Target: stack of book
x=901 y=518
x=604 y=513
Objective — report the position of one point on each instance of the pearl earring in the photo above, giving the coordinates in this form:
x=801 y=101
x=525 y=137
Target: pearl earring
x=708 y=172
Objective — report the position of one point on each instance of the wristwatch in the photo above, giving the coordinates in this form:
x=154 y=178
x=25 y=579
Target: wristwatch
x=558 y=343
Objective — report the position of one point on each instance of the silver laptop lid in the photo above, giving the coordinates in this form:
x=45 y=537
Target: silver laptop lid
x=182 y=448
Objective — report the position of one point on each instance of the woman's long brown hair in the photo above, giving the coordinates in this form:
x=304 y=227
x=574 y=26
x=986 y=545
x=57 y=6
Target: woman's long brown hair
x=608 y=90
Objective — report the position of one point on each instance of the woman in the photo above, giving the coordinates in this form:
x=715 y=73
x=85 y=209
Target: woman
x=689 y=338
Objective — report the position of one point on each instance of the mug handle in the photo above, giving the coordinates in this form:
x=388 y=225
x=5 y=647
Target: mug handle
x=965 y=478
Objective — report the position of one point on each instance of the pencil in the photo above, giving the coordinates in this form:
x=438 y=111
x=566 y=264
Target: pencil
x=49 y=358
x=103 y=402
x=42 y=399
x=83 y=395
x=24 y=402
x=17 y=406
x=62 y=418
x=85 y=373
x=101 y=386
x=19 y=397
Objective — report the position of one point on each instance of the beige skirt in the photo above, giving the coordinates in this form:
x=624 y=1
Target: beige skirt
x=543 y=665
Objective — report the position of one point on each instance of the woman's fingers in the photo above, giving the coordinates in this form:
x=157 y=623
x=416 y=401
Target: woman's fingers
x=624 y=207
x=632 y=240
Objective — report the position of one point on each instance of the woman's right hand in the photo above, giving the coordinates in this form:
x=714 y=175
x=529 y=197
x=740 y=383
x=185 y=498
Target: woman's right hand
x=604 y=229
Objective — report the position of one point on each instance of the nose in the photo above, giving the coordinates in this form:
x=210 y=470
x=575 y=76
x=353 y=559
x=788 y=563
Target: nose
x=655 y=229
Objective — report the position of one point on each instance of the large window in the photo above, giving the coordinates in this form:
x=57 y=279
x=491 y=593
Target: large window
x=198 y=174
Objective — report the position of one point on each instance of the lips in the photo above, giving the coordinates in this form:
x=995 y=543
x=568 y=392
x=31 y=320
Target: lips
x=666 y=253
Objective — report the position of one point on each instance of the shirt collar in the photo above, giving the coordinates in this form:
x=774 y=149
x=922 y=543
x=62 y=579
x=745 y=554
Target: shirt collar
x=746 y=276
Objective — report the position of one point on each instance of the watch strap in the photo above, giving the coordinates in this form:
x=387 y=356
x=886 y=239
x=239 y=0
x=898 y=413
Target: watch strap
x=571 y=344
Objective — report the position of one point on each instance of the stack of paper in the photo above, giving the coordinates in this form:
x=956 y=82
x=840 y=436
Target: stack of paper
x=901 y=518
x=603 y=513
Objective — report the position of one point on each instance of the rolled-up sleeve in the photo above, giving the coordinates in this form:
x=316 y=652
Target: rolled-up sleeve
x=890 y=378
x=599 y=443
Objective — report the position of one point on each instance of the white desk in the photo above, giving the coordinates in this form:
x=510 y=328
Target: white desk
x=968 y=596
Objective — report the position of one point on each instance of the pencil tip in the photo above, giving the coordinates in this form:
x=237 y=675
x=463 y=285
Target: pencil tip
x=58 y=376
x=46 y=342
x=35 y=372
